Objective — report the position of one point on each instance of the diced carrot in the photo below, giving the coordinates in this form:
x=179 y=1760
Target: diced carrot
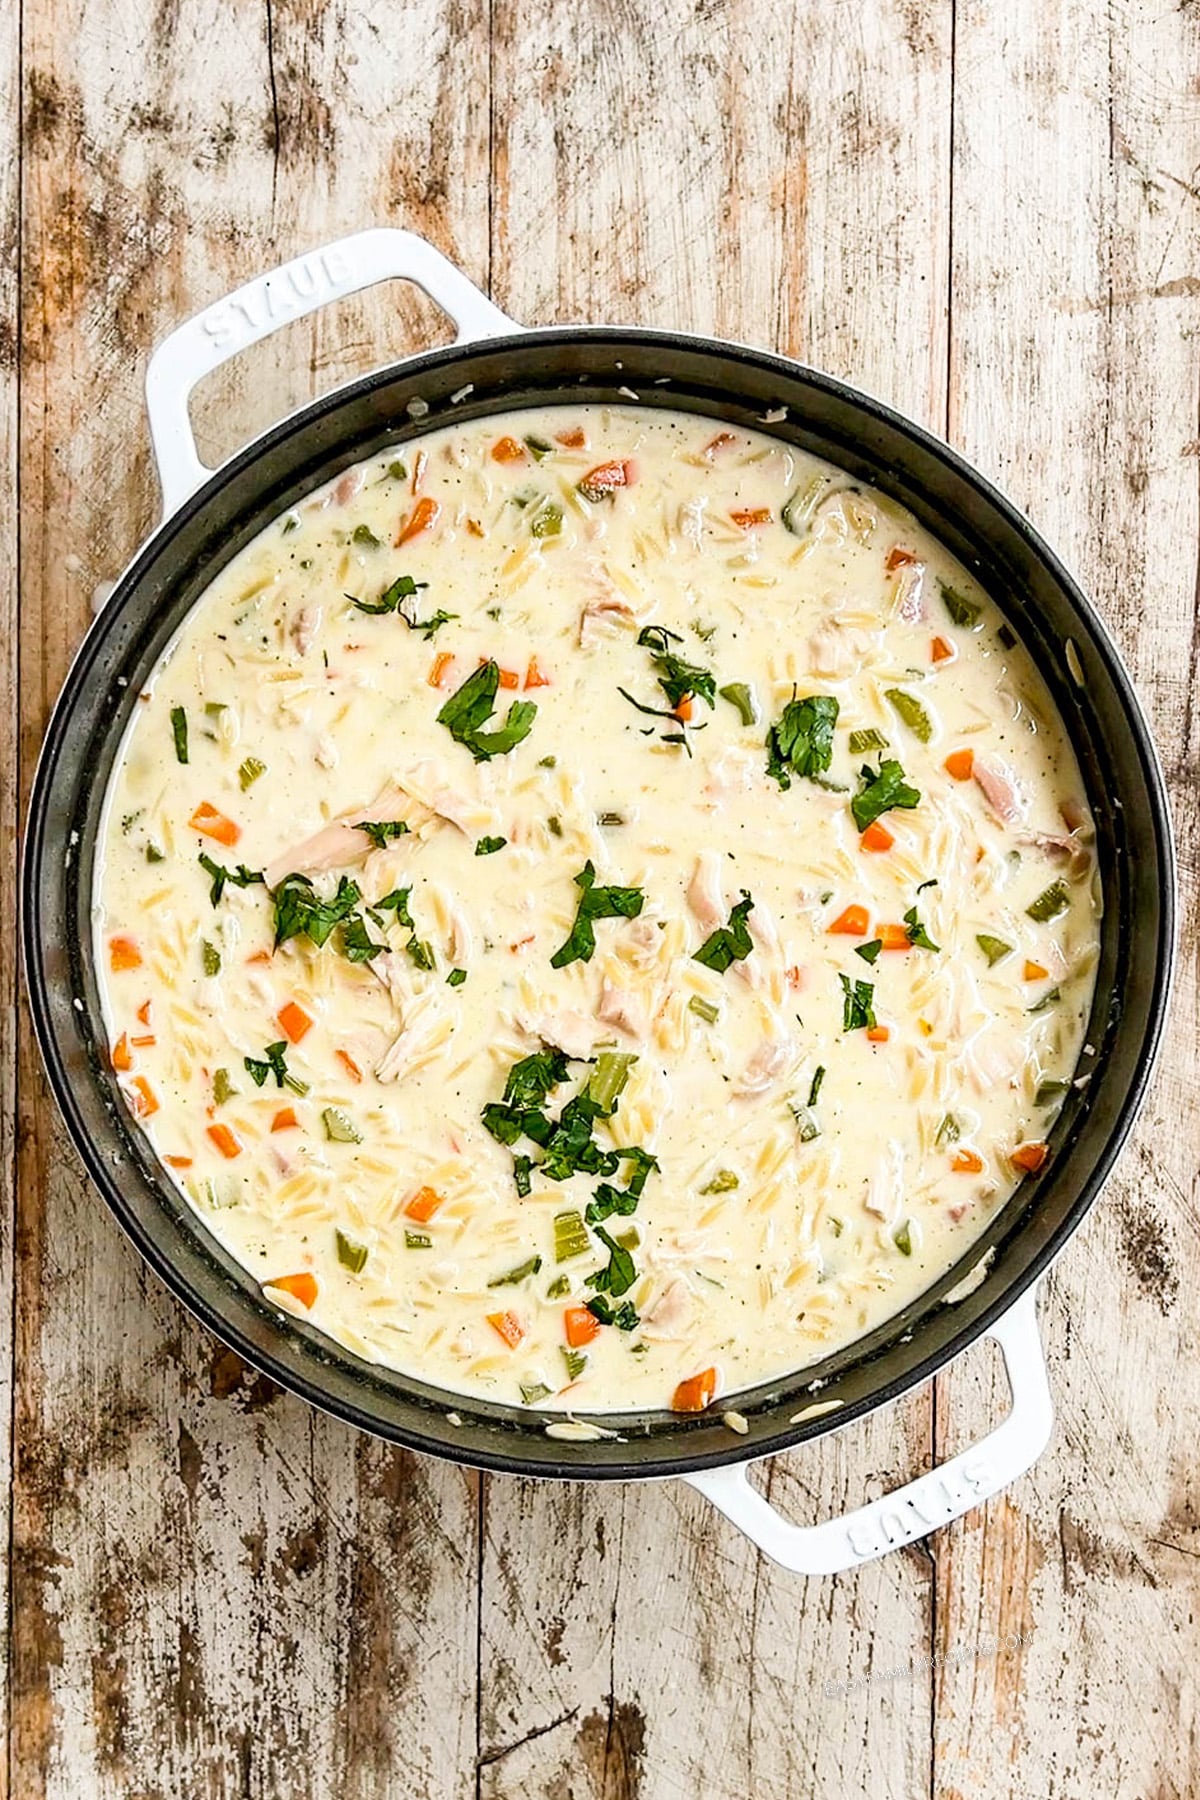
x=573 y=439
x=854 y=922
x=178 y=1162
x=580 y=1325
x=507 y=450
x=423 y=517
x=123 y=953
x=507 y=1326
x=302 y=1287
x=694 y=1394
x=442 y=662
x=899 y=558
x=750 y=516
x=214 y=824
x=605 y=478
x=683 y=711
x=533 y=675
x=1029 y=1157
x=960 y=764
x=940 y=650
x=121 y=1059
x=143 y=1096
x=348 y=1063
x=967 y=1162
x=1035 y=972
x=293 y=1021
x=143 y=1012
x=894 y=937
x=424 y=1203
x=285 y=1119
x=508 y=677
x=227 y=1141
x=145 y=1042
x=876 y=837
x=260 y=956
x=720 y=442
x=878 y=1034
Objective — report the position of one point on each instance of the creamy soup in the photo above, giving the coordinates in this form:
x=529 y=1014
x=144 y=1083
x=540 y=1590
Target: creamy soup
x=596 y=910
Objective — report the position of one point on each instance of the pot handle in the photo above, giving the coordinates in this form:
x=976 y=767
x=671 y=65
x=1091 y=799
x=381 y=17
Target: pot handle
x=923 y=1505
x=295 y=288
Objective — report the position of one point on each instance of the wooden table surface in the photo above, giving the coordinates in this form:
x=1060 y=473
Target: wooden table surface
x=988 y=213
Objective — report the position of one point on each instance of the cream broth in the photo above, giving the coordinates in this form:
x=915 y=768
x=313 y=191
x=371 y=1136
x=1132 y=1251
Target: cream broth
x=663 y=1033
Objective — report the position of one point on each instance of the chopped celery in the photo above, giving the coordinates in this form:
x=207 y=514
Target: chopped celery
x=741 y=696
x=912 y=712
x=1052 y=901
x=570 y=1236
x=705 y=1009
x=340 y=1127
x=994 y=948
x=609 y=1078
x=513 y=1277
x=350 y=1254
x=799 y=507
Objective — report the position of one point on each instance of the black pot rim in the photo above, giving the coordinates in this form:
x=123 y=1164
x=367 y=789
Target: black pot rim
x=680 y=1461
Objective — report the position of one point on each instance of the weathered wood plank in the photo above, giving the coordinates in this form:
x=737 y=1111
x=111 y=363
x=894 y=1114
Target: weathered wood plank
x=733 y=169
x=216 y=1590
x=1077 y=144
x=10 y=102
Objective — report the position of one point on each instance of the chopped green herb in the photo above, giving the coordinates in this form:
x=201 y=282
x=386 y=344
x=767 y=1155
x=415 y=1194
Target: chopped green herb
x=350 y=1254
x=403 y=588
x=594 y=903
x=741 y=697
x=723 y=1182
x=533 y=1391
x=815 y=1089
x=417 y=1240
x=222 y=1087
x=902 y=1238
x=362 y=534
x=210 y=958
x=456 y=977
x=994 y=948
x=250 y=770
x=948 y=1132
x=397 y=902
x=570 y=1236
x=522 y=1272
x=728 y=943
x=624 y=1317
x=397 y=471
x=576 y=1361
x=801 y=740
x=554 y=825
x=472 y=705
x=707 y=1010
x=274 y=1063
x=300 y=912
x=382 y=831
x=858 y=1008
x=963 y=611
x=421 y=952
x=678 y=679
x=912 y=712
x=240 y=877
x=179 y=730
x=356 y=943
x=523 y=1175
x=1054 y=900
x=558 y=1287
x=870 y=951
x=882 y=789
x=863 y=741
x=917 y=933
x=154 y=854
x=340 y=1127
x=547 y=762
x=610 y=819
x=1050 y=1091
x=290 y=524
x=538 y=447
x=799 y=507
x=488 y=846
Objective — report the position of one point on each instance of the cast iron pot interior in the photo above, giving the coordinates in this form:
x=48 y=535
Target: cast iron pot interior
x=736 y=386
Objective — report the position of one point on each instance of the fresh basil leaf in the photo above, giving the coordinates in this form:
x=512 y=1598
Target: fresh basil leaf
x=471 y=706
x=729 y=943
x=882 y=789
x=594 y=903
x=801 y=740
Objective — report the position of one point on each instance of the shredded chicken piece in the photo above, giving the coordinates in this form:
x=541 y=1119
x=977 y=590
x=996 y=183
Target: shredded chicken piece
x=910 y=593
x=425 y=1027
x=460 y=941
x=885 y=1187
x=304 y=628
x=1065 y=844
x=348 y=486
x=604 y=611
x=772 y=1059
x=999 y=788
x=705 y=894
x=691 y=520
x=618 y=1007
x=836 y=649
x=326 y=753
x=669 y=1313
x=572 y=1032
x=337 y=845
x=426 y=782
x=732 y=772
